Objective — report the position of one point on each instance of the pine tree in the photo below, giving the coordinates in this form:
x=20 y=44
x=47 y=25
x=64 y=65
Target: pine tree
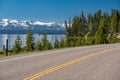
x=101 y=37
x=49 y=45
x=30 y=41
x=62 y=43
x=57 y=44
x=46 y=44
x=17 y=46
x=67 y=35
x=115 y=21
x=38 y=46
x=114 y=24
x=84 y=27
x=119 y=26
x=76 y=26
x=93 y=23
x=90 y=26
x=67 y=39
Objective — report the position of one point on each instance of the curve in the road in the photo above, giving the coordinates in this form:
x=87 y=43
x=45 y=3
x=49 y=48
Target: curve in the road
x=43 y=73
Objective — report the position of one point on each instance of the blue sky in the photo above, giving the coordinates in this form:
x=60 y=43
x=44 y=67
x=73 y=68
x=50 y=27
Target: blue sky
x=52 y=10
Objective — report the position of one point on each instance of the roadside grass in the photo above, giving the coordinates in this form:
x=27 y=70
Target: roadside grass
x=3 y=54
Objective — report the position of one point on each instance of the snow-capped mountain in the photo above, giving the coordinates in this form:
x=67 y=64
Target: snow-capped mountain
x=8 y=24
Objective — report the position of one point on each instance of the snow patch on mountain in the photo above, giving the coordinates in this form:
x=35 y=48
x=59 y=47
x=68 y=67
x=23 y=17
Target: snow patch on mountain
x=35 y=25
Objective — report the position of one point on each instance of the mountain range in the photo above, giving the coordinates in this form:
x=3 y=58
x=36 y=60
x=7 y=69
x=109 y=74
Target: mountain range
x=8 y=26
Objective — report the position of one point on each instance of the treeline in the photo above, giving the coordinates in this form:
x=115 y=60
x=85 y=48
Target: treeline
x=40 y=45
x=97 y=28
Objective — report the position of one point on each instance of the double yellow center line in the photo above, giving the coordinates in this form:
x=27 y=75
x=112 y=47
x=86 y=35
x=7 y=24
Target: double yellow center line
x=36 y=76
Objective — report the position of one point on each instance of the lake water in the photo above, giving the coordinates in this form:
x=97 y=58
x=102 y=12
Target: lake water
x=11 y=38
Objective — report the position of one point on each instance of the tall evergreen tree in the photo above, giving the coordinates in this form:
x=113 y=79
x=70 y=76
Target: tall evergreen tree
x=57 y=44
x=46 y=44
x=49 y=45
x=67 y=34
x=90 y=25
x=97 y=17
x=107 y=21
x=84 y=27
x=115 y=21
x=76 y=25
x=30 y=45
x=114 y=24
x=17 y=46
x=101 y=37
x=119 y=26
x=62 y=43
x=45 y=41
x=38 y=46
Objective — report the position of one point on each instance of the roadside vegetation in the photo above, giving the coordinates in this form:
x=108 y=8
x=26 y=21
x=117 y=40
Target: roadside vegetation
x=97 y=28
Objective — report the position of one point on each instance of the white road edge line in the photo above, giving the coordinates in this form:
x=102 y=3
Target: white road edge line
x=52 y=52
x=43 y=53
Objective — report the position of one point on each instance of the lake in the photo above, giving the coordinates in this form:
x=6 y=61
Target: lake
x=11 y=38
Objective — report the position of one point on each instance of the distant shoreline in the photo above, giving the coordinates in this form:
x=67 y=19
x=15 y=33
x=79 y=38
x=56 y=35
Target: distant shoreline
x=34 y=31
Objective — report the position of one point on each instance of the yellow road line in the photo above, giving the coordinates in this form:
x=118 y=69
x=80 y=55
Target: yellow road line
x=36 y=76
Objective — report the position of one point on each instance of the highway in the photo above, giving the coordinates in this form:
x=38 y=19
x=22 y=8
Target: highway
x=98 y=62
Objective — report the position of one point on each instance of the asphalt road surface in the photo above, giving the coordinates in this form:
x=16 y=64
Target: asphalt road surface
x=100 y=62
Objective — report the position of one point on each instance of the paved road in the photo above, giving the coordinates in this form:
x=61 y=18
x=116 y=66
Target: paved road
x=101 y=62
